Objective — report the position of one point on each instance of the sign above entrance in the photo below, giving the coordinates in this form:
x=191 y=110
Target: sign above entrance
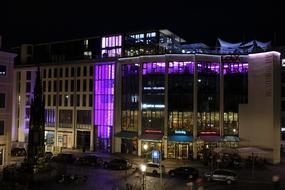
x=180 y=132
x=152 y=131
x=208 y=133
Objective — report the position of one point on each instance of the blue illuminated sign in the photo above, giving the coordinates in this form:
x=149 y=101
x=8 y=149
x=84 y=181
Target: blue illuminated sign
x=180 y=132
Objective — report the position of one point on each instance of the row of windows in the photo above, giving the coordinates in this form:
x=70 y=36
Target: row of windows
x=83 y=100
x=69 y=85
x=1 y=127
x=68 y=72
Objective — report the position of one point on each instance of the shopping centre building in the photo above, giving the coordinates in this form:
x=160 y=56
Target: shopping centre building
x=119 y=92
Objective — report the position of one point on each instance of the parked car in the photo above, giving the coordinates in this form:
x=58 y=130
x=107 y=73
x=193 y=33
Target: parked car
x=48 y=155
x=227 y=176
x=184 y=172
x=18 y=152
x=89 y=160
x=117 y=163
x=154 y=168
x=64 y=158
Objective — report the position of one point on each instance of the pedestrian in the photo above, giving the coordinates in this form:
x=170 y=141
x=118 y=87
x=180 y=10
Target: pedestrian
x=190 y=184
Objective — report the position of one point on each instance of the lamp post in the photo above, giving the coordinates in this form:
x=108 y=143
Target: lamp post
x=143 y=169
x=145 y=147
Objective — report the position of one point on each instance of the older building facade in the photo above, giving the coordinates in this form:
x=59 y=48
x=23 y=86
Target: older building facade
x=6 y=105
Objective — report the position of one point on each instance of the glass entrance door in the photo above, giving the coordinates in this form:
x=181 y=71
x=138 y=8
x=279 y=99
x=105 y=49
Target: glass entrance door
x=182 y=151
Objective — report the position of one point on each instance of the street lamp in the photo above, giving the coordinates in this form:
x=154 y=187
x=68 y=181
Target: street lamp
x=145 y=147
x=143 y=169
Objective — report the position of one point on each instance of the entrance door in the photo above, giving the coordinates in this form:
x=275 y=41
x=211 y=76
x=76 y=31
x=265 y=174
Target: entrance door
x=64 y=142
x=182 y=151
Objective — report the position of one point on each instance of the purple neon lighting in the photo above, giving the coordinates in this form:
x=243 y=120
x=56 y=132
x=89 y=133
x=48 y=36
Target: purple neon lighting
x=207 y=67
x=230 y=68
x=154 y=68
x=104 y=98
x=181 y=67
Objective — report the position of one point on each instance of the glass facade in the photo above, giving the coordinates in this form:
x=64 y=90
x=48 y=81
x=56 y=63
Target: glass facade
x=153 y=92
x=130 y=94
x=104 y=75
x=235 y=93
x=180 y=84
x=208 y=98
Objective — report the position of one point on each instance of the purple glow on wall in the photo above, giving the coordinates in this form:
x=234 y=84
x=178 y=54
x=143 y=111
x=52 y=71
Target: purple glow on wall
x=181 y=67
x=154 y=68
x=104 y=98
x=230 y=68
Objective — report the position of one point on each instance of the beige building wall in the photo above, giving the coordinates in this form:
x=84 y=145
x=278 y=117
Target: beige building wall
x=6 y=88
x=260 y=118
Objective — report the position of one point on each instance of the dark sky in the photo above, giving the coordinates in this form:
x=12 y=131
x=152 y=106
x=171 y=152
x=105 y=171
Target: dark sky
x=195 y=21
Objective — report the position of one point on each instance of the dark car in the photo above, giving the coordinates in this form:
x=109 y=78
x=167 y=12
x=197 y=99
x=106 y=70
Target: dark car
x=48 y=155
x=184 y=172
x=18 y=152
x=64 y=158
x=120 y=164
x=89 y=160
x=227 y=176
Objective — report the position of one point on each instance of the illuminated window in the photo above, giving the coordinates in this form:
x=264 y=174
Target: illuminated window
x=283 y=63
x=2 y=70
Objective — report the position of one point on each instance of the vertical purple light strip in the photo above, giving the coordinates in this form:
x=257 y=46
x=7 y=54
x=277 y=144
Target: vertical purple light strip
x=104 y=98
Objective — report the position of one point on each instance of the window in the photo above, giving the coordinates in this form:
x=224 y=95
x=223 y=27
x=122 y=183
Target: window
x=45 y=73
x=91 y=71
x=77 y=100
x=28 y=77
x=84 y=117
x=66 y=85
x=78 y=71
x=27 y=116
x=49 y=86
x=60 y=85
x=49 y=73
x=60 y=72
x=54 y=86
x=65 y=118
x=90 y=100
x=78 y=85
x=84 y=85
x=55 y=72
x=84 y=71
x=66 y=72
x=28 y=87
x=66 y=97
x=84 y=100
x=2 y=70
x=49 y=100
x=72 y=85
x=72 y=71
x=90 y=85
x=1 y=127
x=54 y=100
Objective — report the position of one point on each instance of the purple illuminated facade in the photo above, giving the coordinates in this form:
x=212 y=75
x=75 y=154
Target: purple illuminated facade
x=104 y=75
x=181 y=67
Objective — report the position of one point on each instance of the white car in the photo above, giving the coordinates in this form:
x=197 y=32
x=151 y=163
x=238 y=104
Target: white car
x=154 y=168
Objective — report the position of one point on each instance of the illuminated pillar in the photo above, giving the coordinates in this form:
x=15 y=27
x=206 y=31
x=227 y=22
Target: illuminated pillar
x=195 y=110
x=221 y=122
x=140 y=109
x=164 y=140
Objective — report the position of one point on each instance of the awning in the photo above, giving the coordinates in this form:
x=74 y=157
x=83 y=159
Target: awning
x=180 y=138
x=231 y=138
x=126 y=134
x=210 y=138
x=157 y=137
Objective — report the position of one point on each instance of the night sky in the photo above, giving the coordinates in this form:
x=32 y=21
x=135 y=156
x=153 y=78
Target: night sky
x=195 y=21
